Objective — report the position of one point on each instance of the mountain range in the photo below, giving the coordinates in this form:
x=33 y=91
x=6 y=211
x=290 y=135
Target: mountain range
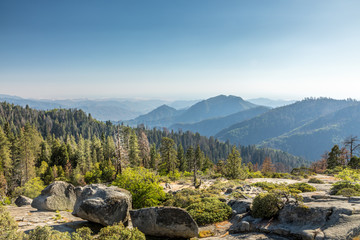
x=305 y=128
x=215 y=107
x=113 y=109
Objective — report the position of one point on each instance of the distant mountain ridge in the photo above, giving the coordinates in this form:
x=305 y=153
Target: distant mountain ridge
x=219 y=106
x=114 y=109
x=271 y=102
x=306 y=128
x=210 y=127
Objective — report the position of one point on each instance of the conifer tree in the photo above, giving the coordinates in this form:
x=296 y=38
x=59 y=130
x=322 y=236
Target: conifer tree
x=133 y=150
x=5 y=160
x=233 y=165
x=168 y=154
x=181 y=158
x=190 y=155
x=144 y=149
x=334 y=157
x=153 y=157
x=267 y=166
x=29 y=146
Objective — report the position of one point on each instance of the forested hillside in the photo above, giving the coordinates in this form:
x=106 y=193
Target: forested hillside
x=210 y=127
x=72 y=146
x=57 y=122
x=306 y=128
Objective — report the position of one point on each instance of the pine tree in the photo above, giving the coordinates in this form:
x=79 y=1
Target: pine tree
x=5 y=160
x=168 y=154
x=190 y=155
x=267 y=166
x=181 y=158
x=133 y=150
x=29 y=145
x=153 y=157
x=334 y=157
x=144 y=149
x=233 y=165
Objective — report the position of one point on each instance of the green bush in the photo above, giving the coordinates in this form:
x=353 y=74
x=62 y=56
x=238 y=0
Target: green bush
x=303 y=187
x=280 y=175
x=336 y=187
x=348 y=192
x=47 y=233
x=266 y=205
x=174 y=175
x=316 y=180
x=5 y=201
x=267 y=186
x=302 y=171
x=209 y=210
x=257 y=174
x=83 y=233
x=8 y=226
x=31 y=189
x=143 y=185
x=119 y=232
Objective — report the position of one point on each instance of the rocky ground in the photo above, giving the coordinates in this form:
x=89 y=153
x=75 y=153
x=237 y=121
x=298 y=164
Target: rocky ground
x=321 y=217
x=29 y=218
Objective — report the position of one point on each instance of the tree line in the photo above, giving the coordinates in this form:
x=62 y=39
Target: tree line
x=72 y=146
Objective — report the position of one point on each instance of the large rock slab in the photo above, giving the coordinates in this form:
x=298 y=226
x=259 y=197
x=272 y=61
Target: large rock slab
x=169 y=222
x=324 y=218
x=57 y=196
x=105 y=205
x=23 y=201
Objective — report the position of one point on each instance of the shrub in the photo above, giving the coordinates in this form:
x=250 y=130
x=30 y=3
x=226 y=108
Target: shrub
x=348 y=192
x=119 y=232
x=302 y=171
x=267 y=186
x=93 y=176
x=257 y=174
x=349 y=175
x=174 y=175
x=209 y=210
x=5 y=201
x=336 y=187
x=83 y=233
x=316 y=180
x=47 y=233
x=303 y=187
x=31 y=189
x=266 y=205
x=184 y=198
x=8 y=226
x=144 y=186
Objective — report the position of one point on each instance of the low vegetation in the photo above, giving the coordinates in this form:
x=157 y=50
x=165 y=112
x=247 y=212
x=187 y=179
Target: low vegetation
x=316 y=180
x=209 y=210
x=266 y=205
x=143 y=185
x=337 y=187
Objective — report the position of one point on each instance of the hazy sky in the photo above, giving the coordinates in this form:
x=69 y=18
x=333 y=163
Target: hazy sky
x=180 y=49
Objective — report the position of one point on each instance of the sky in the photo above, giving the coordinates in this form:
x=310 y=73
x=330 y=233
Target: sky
x=180 y=49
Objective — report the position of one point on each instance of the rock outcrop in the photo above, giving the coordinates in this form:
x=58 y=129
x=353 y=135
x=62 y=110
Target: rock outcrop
x=240 y=206
x=100 y=204
x=57 y=196
x=321 y=217
x=164 y=222
x=23 y=201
